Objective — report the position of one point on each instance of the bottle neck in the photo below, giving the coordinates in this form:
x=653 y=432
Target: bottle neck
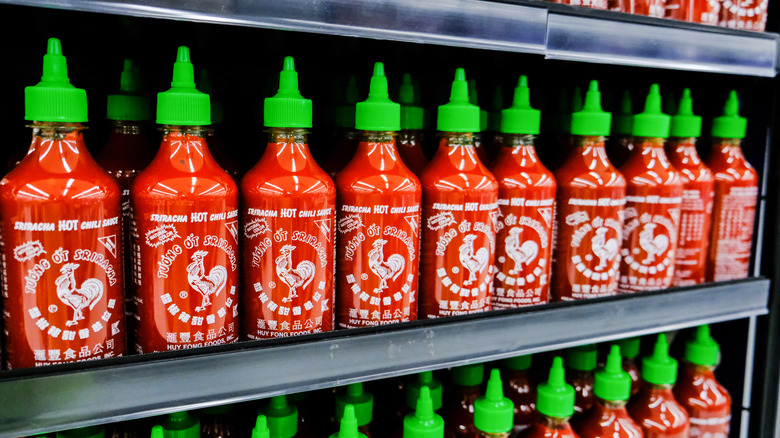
x=643 y=143
x=727 y=148
x=457 y=150
x=554 y=423
x=184 y=148
x=612 y=404
x=493 y=435
x=658 y=389
x=288 y=149
x=129 y=127
x=706 y=370
x=519 y=140
x=58 y=147
x=377 y=150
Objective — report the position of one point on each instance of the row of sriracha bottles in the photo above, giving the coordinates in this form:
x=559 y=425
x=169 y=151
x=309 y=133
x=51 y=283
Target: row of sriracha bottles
x=477 y=240
x=577 y=400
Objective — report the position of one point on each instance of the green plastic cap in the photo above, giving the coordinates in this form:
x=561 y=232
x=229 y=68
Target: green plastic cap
x=520 y=118
x=204 y=85
x=494 y=413
x=345 y=114
x=556 y=397
x=591 y=120
x=362 y=401
x=349 y=425
x=128 y=104
x=483 y=115
x=424 y=380
x=518 y=362
x=660 y=368
x=287 y=109
x=702 y=349
x=652 y=122
x=468 y=375
x=629 y=347
x=282 y=417
x=497 y=106
x=378 y=112
x=261 y=429
x=612 y=383
x=458 y=115
x=423 y=422
x=730 y=124
x=54 y=99
x=157 y=432
x=624 y=120
x=582 y=358
x=84 y=432
x=183 y=104
x=181 y=425
x=411 y=114
x=685 y=123
x=576 y=100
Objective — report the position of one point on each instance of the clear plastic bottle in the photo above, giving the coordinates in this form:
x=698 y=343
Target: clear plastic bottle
x=410 y=139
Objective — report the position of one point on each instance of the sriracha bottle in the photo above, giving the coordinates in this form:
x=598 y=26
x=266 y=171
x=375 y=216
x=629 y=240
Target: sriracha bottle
x=589 y=219
x=185 y=209
x=736 y=192
x=459 y=216
x=630 y=349
x=61 y=235
x=349 y=425
x=519 y=388
x=653 y=200
x=410 y=139
x=698 y=191
x=654 y=408
x=493 y=413
x=459 y=408
x=288 y=208
x=363 y=402
x=423 y=422
x=526 y=206
x=282 y=417
x=555 y=404
x=699 y=392
x=580 y=365
x=261 y=430
x=608 y=417
x=378 y=220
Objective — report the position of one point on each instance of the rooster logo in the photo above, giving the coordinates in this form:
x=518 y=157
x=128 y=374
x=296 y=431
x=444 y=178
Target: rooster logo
x=206 y=285
x=652 y=244
x=604 y=249
x=475 y=263
x=77 y=298
x=384 y=269
x=521 y=254
x=294 y=278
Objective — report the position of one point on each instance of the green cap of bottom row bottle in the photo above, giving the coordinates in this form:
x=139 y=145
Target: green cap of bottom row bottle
x=591 y=119
x=181 y=425
x=659 y=368
x=378 y=112
x=494 y=413
x=183 y=104
x=362 y=401
x=612 y=383
x=348 y=425
x=730 y=124
x=282 y=417
x=555 y=398
x=423 y=422
x=54 y=99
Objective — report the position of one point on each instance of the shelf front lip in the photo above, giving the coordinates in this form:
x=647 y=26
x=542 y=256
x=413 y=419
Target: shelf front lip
x=55 y=401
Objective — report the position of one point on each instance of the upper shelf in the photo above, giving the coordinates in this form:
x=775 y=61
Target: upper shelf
x=559 y=32
x=76 y=395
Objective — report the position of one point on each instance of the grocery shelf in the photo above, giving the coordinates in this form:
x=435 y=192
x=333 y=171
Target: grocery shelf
x=74 y=395
x=528 y=26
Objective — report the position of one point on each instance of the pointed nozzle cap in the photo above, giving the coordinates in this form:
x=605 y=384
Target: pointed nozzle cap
x=685 y=123
x=261 y=429
x=423 y=422
x=518 y=362
x=659 y=368
x=520 y=118
x=582 y=358
x=612 y=383
x=591 y=120
x=128 y=104
x=378 y=112
x=83 y=432
x=181 y=425
x=702 y=349
x=288 y=109
x=424 y=380
x=468 y=375
x=349 y=425
x=629 y=347
x=730 y=124
x=624 y=120
x=362 y=402
x=183 y=104
x=555 y=398
x=282 y=417
x=157 y=432
x=54 y=99
x=458 y=115
x=494 y=413
x=411 y=114
x=652 y=122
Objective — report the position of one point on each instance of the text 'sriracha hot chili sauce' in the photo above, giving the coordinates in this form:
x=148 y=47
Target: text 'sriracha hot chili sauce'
x=216 y=146
x=608 y=416
x=736 y=193
x=526 y=209
x=589 y=219
x=61 y=235
x=378 y=230
x=346 y=136
x=493 y=413
x=707 y=402
x=460 y=200
x=410 y=139
x=555 y=405
x=619 y=144
x=653 y=199
x=126 y=154
x=698 y=192
x=288 y=216
x=185 y=239
x=654 y=408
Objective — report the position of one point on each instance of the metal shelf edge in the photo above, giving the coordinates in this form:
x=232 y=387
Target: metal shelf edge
x=116 y=393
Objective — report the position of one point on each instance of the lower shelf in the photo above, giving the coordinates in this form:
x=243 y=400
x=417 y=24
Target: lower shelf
x=62 y=397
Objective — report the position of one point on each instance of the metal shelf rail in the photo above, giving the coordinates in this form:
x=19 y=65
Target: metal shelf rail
x=569 y=33
x=140 y=386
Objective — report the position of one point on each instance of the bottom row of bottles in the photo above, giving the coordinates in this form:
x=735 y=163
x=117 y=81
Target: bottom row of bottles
x=579 y=400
